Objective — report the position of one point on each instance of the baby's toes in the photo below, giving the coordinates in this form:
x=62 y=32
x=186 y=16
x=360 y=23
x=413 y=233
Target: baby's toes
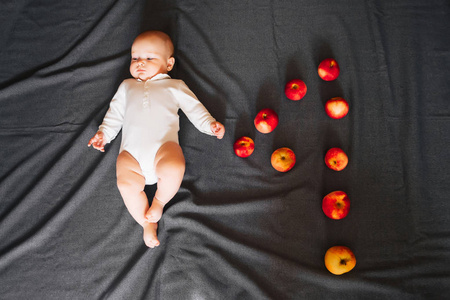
x=151 y=243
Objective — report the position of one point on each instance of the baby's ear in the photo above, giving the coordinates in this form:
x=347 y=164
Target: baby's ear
x=170 y=63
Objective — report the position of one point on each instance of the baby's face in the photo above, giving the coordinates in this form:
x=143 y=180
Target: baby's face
x=150 y=55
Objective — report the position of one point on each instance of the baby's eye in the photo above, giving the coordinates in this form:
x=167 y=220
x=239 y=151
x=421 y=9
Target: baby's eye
x=134 y=58
x=149 y=58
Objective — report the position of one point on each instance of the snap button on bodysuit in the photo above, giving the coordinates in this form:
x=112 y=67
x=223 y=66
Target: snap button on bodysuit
x=145 y=100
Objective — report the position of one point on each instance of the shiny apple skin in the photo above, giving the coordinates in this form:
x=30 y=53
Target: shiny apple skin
x=328 y=69
x=336 y=205
x=295 y=89
x=336 y=159
x=266 y=120
x=336 y=108
x=283 y=159
x=339 y=260
x=244 y=146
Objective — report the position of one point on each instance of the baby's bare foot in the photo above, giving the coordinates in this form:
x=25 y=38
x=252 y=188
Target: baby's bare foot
x=154 y=213
x=150 y=238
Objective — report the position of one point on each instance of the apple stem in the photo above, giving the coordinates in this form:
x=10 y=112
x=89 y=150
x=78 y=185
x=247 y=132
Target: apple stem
x=343 y=262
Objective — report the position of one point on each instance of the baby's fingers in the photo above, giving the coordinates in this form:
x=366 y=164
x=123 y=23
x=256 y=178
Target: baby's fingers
x=99 y=145
x=91 y=141
x=220 y=132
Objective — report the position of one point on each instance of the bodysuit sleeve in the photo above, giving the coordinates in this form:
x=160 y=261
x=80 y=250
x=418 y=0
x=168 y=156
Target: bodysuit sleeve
x=113 y=121
x=194 y=109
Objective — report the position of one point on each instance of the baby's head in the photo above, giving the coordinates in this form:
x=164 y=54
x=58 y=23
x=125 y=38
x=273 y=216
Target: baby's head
x=151 y=54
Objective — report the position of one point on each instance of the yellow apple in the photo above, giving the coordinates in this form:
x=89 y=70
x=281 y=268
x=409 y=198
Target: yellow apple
x=283 y=159
x=339 y=260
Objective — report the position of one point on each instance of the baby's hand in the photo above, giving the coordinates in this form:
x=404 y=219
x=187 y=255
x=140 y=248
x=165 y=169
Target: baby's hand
x=218 y=129
x=98 y=141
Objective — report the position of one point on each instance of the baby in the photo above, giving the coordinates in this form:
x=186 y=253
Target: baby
x=146 y=110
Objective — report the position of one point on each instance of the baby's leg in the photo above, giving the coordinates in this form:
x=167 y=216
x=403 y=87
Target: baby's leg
x=169 y=166
x=131 y=184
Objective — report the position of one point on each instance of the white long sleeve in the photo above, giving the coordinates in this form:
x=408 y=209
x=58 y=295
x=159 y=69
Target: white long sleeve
x=113 y=120
x=194 y=109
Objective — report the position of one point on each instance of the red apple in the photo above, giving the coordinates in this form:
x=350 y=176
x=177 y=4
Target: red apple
x=336 y=108
x=266 y=120
x=295 y=89
x=336 y=205
x=244 y=146
x=283 y=159
x=328 y=69
x=336 y=159
x=339 y=260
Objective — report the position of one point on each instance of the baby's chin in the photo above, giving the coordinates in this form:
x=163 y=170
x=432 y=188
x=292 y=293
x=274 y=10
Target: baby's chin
x=144 y=77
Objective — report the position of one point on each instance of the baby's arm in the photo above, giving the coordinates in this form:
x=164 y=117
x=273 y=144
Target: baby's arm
x=218 y=129
x=197 y=113
x=98 y=141
x=112 y=123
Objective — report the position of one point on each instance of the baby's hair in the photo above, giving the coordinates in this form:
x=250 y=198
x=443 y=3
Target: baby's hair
x=163 y=36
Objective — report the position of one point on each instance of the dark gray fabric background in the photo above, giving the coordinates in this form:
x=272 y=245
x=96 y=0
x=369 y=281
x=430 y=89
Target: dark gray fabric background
x=237 y=229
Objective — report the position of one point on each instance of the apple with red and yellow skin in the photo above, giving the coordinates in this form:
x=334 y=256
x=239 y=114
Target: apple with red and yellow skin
x=336 y=205
x=328 y=69
x=336 y=159
x=295 y=89
x=266 y=120
x=336 y=108
x=339 y=260
x=283 y=159
x=244 y=146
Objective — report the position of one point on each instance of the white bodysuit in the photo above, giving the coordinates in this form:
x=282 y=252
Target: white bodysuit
x=147 y=113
